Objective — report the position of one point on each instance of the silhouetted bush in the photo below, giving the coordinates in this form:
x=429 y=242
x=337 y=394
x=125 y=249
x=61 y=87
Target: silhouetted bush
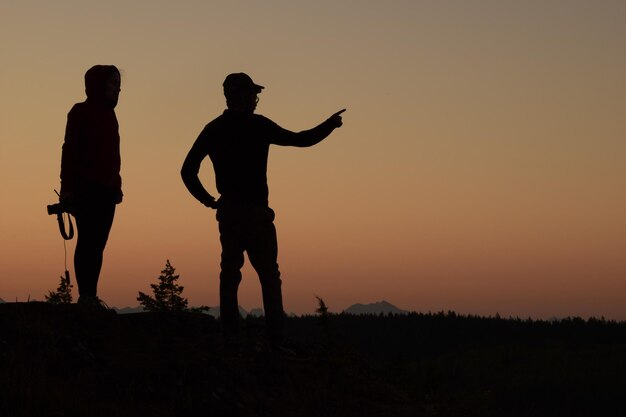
x=167 y=294
x=63 y=294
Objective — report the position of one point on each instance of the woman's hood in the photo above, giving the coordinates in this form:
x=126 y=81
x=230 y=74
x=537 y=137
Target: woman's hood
x=95 y=83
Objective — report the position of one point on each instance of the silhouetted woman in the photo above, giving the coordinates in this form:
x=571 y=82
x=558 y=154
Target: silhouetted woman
x=90 y=174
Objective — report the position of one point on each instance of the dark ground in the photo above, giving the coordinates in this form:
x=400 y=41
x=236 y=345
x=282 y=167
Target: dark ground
x=61 y=361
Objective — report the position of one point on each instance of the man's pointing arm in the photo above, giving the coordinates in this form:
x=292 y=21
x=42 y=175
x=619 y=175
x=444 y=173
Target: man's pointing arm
x=312 y=136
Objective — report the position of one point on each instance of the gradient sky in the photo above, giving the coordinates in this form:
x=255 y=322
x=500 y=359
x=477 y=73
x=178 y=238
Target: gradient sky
x=481 y=167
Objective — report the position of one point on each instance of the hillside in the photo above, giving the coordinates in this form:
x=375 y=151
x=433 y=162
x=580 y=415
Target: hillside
x=59 y=361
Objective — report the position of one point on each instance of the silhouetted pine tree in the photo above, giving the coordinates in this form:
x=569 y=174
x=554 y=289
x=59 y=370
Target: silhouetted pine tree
x=167 y=293
x=321 y=309
x=63 y=294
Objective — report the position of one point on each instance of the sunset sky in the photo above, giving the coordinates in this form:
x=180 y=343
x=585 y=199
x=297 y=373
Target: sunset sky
x=481 y=167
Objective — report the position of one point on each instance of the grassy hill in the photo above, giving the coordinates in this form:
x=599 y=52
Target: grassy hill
x=471 y=366
x=61 y=361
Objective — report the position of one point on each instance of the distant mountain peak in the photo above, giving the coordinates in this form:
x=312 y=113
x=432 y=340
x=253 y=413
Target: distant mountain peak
x=377 y=307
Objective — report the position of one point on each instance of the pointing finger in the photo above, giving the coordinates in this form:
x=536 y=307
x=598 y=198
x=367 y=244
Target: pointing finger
x=338 y=113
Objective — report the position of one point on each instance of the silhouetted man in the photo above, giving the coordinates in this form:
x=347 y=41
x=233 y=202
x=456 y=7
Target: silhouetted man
x=91 y=185
x=238 y=144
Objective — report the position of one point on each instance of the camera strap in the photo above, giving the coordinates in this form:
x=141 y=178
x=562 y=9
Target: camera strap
x=66 y=235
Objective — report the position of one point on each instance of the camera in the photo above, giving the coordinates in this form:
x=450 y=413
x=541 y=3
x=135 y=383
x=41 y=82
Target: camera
x=60 y=208
x=57 y=208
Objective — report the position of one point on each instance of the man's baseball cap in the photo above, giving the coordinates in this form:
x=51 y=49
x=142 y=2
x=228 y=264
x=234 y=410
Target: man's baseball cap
x=240 y=83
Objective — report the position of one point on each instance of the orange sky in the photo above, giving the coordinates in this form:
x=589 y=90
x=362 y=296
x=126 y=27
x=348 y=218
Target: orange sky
x=481 y=167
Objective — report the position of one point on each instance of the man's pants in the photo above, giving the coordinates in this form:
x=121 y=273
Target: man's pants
x=93 y=223
x=250 y=229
